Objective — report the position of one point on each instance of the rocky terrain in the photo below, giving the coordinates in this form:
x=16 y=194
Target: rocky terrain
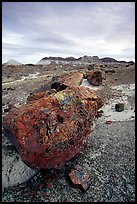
x=109 y=157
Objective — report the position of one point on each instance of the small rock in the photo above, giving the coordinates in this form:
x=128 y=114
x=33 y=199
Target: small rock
x=91 y=67
x=110 y=71
x=119 y=107
x=79 y=176
x=8 y=108
x=108 y=122
x=99 y=113
x=10 y=88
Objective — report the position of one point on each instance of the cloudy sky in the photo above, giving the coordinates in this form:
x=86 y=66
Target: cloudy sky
x=33 y=30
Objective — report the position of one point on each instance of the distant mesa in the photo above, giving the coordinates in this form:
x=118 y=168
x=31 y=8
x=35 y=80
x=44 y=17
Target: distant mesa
x=108 y=59
x=130 y=62
x=12 y=62
x=69 y=60
x=81 y=60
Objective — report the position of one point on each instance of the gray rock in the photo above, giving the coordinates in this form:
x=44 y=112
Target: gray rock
x=119 y=107
x=14 y=170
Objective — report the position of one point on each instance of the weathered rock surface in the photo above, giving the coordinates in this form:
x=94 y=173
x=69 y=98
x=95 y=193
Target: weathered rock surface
x=14 y=170
x=80 y=177
x=94 y=77
x=51 y=130
x=39 y=94
x=62 y=82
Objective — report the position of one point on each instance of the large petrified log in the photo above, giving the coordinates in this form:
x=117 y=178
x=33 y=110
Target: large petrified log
x=53 y=129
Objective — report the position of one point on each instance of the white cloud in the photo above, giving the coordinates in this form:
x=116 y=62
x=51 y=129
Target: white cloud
x=68 y=28
x=12 y=38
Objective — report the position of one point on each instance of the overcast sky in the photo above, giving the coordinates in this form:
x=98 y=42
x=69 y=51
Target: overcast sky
x=33 y=30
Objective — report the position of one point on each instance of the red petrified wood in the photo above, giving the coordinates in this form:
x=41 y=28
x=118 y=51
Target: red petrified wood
x=62 y=82
x=51 y=130
x=94 y=77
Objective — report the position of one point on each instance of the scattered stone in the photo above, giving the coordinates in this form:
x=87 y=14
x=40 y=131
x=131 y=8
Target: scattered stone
x=95 y=78
x=108 y=122
x=10 y=89
x=91 y=67
x=104 y=78
x=99 y=113
x=50 y=131
x=80 y=177
x=110 y=71
x=119 y=107
x=8 y=108
x=62 y=82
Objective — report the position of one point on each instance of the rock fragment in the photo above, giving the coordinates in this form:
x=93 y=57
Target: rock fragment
x=110 y=71
x=99 y=113
x=119 y=107
x=108 y=122
x=80 y=177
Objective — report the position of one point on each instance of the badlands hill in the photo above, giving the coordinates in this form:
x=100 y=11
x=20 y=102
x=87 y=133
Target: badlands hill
x=12 y=62
x=81 y=60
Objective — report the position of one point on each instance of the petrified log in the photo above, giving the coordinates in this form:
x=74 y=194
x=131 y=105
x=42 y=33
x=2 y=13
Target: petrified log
x=53 y=129
x=94 y=77
x=58 y=83
x=62 y=82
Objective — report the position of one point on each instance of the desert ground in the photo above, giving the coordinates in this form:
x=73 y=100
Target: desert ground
x=109 y=156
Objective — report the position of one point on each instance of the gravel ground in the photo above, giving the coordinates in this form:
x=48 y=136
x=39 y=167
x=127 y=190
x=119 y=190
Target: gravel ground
x=109 y=156
x=109 y=159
